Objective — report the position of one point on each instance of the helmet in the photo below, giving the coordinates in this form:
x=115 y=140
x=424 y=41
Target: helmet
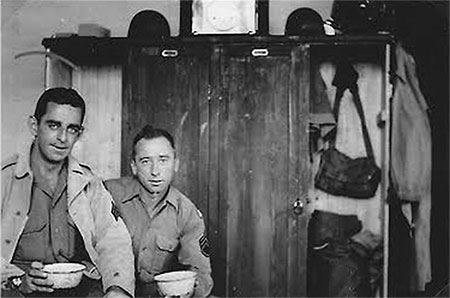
x=304 y=21
x=149 y=24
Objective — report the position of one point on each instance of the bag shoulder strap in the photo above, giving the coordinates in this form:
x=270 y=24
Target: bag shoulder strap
x=359 y=108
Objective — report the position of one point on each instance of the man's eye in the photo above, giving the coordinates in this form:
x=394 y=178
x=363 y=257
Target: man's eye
x=73 y=130
x=145 y=161
x=164 y=159
x=53 y=126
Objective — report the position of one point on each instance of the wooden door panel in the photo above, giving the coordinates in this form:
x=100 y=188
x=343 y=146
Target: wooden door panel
x=257 y=172
x=169 y=93
x=256 y=158
x=299 y=170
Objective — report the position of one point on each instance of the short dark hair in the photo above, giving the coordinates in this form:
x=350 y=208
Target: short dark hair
x=149 y=132
x=61 y=96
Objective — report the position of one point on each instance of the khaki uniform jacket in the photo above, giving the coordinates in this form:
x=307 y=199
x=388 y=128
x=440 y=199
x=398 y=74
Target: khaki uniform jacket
x=172 y=238
x=90 y=207
x=411 y=160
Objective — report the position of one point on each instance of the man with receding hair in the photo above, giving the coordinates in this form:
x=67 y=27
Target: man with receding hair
x=167 y=229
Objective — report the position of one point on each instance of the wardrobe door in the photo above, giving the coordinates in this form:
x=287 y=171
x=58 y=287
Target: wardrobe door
x=167 y=87
x=264 y=168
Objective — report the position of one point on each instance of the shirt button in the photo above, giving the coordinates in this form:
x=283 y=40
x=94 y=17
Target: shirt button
x=144 y=248
x=8 y=241
x=18 y=213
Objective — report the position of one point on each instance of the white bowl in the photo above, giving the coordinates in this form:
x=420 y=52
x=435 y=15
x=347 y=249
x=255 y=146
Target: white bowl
x=64 y=275
x=176 y=283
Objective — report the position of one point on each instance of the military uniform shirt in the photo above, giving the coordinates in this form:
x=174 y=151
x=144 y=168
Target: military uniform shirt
x=169 y=236
x=49 y=236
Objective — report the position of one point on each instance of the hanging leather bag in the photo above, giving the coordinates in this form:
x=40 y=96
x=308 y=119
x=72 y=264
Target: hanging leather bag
x=339 y=174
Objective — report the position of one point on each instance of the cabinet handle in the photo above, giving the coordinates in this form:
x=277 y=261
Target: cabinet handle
x=297 y=207
x=260 y=52
x=169 y=53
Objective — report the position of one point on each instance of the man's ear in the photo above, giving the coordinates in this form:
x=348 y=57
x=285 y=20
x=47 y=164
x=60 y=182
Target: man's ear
x=133 y=167
x=33 y=125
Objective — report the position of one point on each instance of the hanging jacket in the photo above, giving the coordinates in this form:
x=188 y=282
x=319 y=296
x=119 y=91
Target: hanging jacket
x=411 y=158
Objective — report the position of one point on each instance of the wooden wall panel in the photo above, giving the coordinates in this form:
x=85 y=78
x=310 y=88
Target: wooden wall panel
x=57 y=73
x=99 y=146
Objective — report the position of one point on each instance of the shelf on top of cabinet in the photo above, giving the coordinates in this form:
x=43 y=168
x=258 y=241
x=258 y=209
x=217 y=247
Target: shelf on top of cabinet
x=84 y=50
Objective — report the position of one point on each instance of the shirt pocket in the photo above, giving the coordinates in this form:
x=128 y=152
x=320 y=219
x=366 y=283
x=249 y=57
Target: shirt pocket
x=165 y=253
x=32 y=242
x=34 y=227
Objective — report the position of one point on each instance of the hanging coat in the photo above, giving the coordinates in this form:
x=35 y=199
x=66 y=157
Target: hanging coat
x=411 y=159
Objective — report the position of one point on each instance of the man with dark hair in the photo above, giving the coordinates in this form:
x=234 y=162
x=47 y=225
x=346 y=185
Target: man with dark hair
x=61 y=96
x=167 y=229
x=56 y=210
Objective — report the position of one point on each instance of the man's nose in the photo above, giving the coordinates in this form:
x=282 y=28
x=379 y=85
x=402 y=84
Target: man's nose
x=62 y=134
x=155 y=169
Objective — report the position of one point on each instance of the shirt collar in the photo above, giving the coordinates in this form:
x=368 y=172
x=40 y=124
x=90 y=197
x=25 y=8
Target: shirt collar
x=172 y=198
x=136 y=188
x=23 y=167
x=132 y=191
x=75 y=166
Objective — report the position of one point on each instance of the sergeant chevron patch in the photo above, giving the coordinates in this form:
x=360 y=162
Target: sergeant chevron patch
x=204 y=245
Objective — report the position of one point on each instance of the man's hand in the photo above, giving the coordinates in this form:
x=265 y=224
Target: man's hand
x=116 y=292
x=35 y=280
